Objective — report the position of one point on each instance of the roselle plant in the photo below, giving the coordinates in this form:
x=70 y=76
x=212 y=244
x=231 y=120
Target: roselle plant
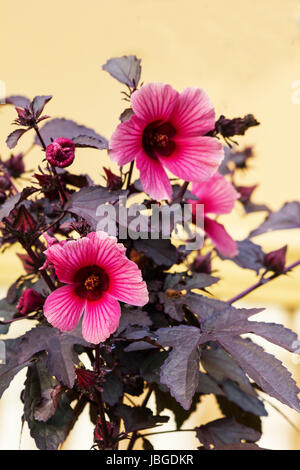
x=137 y=307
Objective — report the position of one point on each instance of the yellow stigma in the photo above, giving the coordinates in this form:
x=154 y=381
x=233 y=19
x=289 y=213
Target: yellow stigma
x=161 y=139
x=91 y=282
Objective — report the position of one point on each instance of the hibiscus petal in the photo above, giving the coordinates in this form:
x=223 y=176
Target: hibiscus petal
x=126 y=141
x=154 y=179
x=101 y=318
x=95 y=249
x=127 y=285
x=154 y=102
x=217 y=194
x=195 y=158
x=193 y=114
x=63 y=308
x=221 y=239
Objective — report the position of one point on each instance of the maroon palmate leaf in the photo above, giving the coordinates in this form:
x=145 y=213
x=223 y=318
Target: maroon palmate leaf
x=38 y=104
x=11 y=203
x=14 y=137
x=60 y=127
x=112 y=389
x=180 y=371
x=90 y=142
x=132 y=317
x=139 y=418
x=125 y=69
x=59 y=346
x=184 y=281
x=18 y=101
x=250 y=256
x=11 y=367
x=225 y=431
x=267 y=371
x=221 y=367
x=287 y=217
x=86 y=202
x=223 y=323
x=246 y=402
x=126 y=115
x=240 y=446
x=162 y=252
x=48 y=434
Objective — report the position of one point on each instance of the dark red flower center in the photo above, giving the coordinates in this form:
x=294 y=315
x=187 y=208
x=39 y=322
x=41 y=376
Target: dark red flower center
x=92 y=282
x=157 y=139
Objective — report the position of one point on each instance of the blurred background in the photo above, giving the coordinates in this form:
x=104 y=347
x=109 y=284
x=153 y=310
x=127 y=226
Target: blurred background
x=246 y=55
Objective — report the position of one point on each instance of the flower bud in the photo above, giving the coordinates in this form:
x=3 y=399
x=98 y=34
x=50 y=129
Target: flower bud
x=237 y=126
x=202 y=264
x=15 y=165
x=98 y=432
x=2 y=197
x=4 y=183
x=61 y=152
x=30 y=301
x=27 y=263
x=245 y=192
x=86 y=379
x=112 y=181
x=275 y=260
x=24 y=222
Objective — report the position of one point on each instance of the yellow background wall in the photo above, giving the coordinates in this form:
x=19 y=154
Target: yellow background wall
x=245 y=54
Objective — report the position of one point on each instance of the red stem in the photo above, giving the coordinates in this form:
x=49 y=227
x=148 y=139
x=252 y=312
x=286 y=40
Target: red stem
x=261 y=282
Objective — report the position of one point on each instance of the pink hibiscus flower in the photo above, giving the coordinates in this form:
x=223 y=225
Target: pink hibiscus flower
x=97 y=274
x=167 y=130
x=218 y=197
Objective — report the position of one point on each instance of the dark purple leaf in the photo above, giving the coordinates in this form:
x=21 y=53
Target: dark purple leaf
x=231 y=321
x=273 y=332
x=11 y=367
x=212 y=310
x=251 y=207
x=250 y=256
x=112 y=389
x=286 y=218
x=126 y=115
x=14 y=137
x=38 y=104
x=59 y=346
x=125 y=69
x=47 y=405
x=225 y=431
x=162 y=252
x=231 y=410
x=248 y=403
x=50 y=434
x=267 y=371
x=221 y=367
x=180 y=371
x=147 y=444
x=240 y=446
x=173 y=306
x=139 y=418
x=224 y=166
x=7 y=312
x=165 y=401
x=182 y=281
x=85 y=202
x=91 y=142
x=222 y=323
x=207 y=385
x=13 y=201
x=132 y=317
x=18 y=101
x=61 y=127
